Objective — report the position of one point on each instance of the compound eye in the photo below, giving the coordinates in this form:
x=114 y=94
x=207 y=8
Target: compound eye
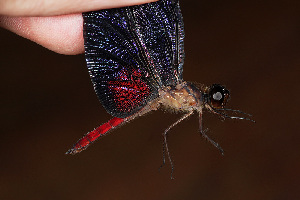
x=218 y=96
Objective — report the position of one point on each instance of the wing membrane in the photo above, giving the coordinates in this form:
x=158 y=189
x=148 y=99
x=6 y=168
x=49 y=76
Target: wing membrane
x=132 y=51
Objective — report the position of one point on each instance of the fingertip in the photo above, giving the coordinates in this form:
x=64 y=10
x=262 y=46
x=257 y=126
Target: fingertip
x=61 y=34
x=60 y=7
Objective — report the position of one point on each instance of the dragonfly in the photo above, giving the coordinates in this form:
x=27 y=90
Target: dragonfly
x=135 y=59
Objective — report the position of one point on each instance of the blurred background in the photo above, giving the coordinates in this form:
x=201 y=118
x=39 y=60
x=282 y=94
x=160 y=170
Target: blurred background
x=48 y=103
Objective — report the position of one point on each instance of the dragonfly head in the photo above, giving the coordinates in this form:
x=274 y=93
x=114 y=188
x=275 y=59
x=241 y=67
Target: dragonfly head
x=215 y=98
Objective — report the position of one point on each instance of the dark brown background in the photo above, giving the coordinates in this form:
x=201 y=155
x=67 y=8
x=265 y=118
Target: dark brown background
x=47 y=103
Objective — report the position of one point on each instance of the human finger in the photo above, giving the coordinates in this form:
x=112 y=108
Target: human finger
x=60 y=7
x=61 y=34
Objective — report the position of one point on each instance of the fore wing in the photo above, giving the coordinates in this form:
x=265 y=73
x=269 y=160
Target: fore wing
x=133 y=51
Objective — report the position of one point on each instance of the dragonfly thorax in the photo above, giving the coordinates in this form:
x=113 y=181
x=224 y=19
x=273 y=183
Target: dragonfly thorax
x=183 y=97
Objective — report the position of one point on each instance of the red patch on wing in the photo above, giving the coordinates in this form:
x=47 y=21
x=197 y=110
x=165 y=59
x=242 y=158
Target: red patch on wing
x=129 y=90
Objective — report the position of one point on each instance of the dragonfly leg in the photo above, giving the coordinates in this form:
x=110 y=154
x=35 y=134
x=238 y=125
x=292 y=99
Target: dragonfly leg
x=165 y=143
x=203 y=133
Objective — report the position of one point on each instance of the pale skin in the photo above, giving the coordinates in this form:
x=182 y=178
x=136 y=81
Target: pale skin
x=54 y=24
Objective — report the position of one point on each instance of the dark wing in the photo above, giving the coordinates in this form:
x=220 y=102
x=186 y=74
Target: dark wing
x=132 y=51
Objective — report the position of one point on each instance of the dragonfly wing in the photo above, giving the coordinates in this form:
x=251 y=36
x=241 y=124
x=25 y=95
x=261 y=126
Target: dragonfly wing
x=159 y=28
x=132 y=51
